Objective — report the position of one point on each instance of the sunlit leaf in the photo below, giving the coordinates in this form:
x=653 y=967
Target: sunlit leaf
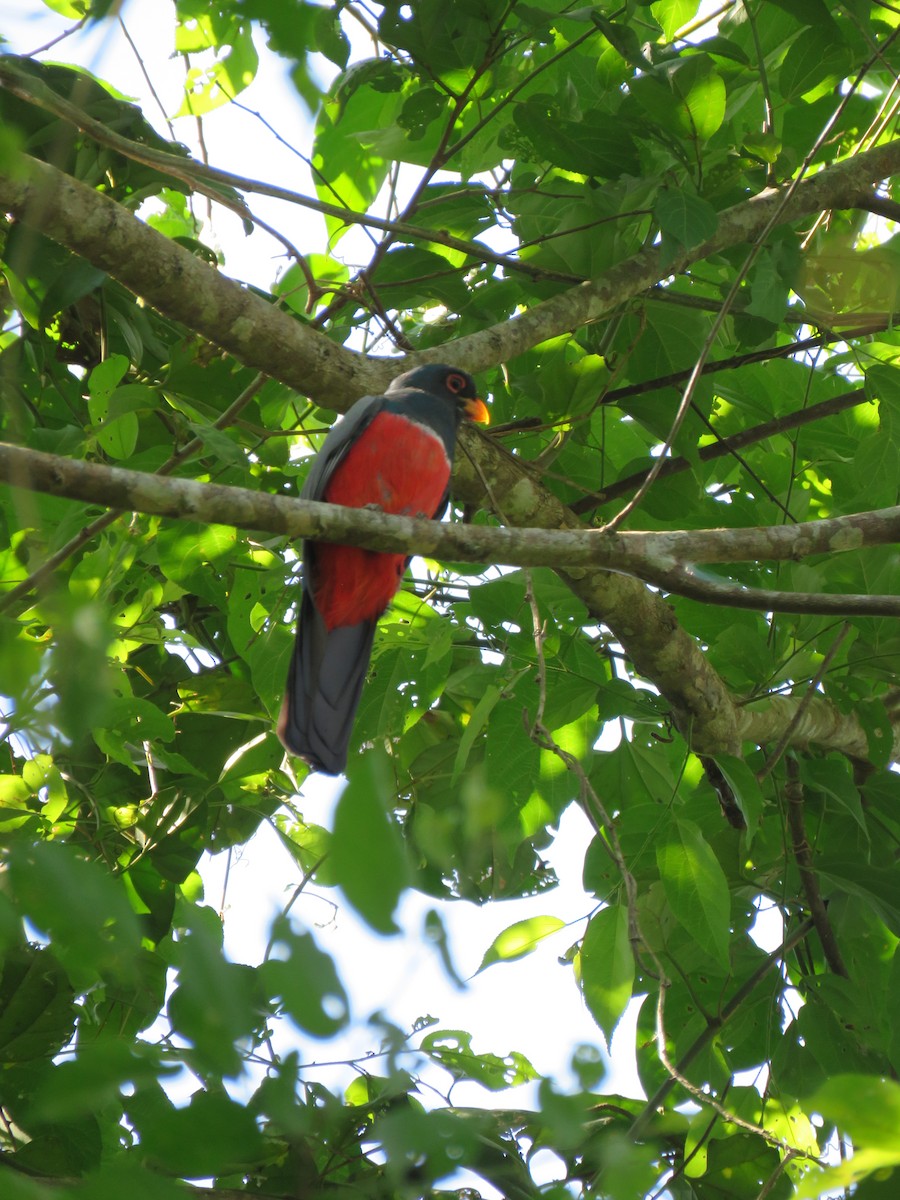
x=367 y=855
x=452 y=1049
x=519 y=940
x=696 y=888
x=606 y=965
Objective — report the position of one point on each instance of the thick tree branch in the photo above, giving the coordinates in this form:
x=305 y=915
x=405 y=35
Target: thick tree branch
x=814 y=722
x=661 y=650
x=652 y=556
x=168 y=276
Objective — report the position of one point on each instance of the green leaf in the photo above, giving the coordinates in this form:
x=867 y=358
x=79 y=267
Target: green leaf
x=685 y=220
x=215 y=1004
x=474 y=726
x=123 y=1177
x=684 y=217
x=813 y=59
x=519 y=940
x=876 y=722
x=210 y=86
x=409 y=276
x=672 y=14
x=37 y=1005
x=877 y=886
x=211 y=1135
x=349 y=168
x=306 y=982
x=452 y=1049
x=696 y=888
x=72 y=10
x=309 y=845
x=833 y=777
x=812 y=13
x=367 y=853
x=107 y=375
x=865 y=1107
x=293 y=285
x=591 y=146
x=419 y=110
x=768 y=290
x=686 y=97
x=883 y=383
x=92 y=1080
x=762 y=144
x=607 y=967
x=92 y=929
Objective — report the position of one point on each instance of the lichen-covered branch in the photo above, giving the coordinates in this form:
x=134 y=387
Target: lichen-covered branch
x=641 y=620
x=819 y=724
x=188 y=289
x=183 y=287
x=649 y=556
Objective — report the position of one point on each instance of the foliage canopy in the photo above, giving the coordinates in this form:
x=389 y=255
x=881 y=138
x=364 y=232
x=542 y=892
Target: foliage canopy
x=661 y=241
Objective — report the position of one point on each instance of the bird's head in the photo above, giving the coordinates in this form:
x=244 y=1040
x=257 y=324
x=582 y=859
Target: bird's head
x=446 y=383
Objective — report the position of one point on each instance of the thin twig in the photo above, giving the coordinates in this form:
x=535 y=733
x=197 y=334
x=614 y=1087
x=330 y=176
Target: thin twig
x=727 y=445
x=67 y=33
x=146 y=74
x=803 y=856
x=785 y=739
x=711 y=1031
x=777 y=1172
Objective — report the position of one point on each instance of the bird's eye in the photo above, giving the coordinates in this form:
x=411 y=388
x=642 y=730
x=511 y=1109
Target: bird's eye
x=456 y=383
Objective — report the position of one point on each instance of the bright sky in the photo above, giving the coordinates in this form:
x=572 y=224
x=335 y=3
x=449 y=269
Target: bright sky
x=531 y=1006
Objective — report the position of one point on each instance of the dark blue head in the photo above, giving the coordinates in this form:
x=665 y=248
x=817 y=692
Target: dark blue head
x=449 y=384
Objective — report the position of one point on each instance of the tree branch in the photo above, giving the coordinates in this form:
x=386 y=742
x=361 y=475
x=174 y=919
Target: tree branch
x=793 y=792
x=704 y=710
x=173 y=280
x=728 y=445
x=813 y=722
x=656 y=557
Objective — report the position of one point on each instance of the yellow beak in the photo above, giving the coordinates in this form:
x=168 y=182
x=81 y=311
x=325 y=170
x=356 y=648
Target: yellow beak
x=477 y=410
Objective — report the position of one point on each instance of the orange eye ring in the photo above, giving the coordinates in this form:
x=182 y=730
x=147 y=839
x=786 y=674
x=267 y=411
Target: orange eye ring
x=456 y=383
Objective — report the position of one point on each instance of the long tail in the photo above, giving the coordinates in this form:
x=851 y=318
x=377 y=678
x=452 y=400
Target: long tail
x=324 y=683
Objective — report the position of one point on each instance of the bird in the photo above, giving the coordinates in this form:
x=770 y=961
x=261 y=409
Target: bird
x=392 y=452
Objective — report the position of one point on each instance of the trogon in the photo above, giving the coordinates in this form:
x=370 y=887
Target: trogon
x=394 y=453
